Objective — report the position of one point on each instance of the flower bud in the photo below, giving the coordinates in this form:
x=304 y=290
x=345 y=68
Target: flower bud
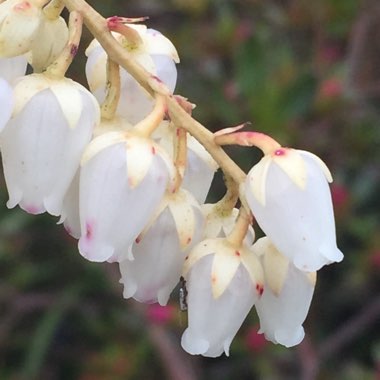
x=289 y=196
x=19 y=24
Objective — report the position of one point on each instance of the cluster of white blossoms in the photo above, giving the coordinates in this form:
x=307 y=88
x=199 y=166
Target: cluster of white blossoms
x=127 y=180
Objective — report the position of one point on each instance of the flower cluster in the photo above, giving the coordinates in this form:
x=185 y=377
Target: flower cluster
x=117 y=165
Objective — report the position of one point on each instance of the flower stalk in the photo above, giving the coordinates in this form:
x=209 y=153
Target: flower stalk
x=54 y=9
x=59 y=67
x=109 y=106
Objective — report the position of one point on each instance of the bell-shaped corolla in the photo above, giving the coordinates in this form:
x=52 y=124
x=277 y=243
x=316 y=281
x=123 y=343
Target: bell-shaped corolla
x=155 y=53
x=70 y=208
x=19 y=24
x=284 y=305
x=42 y=143
x=122 y=181
x=160 y=250
x=289 y=196
x=223 y=283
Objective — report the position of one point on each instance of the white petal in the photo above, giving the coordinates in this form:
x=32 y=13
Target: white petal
x=6 y=102
x=12 y=68
x=214 y=322
x=112 y=214
x=41 y=154
x=282 y=316
x=300 y=223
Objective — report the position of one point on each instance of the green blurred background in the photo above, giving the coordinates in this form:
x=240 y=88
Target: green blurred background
x=307 y=73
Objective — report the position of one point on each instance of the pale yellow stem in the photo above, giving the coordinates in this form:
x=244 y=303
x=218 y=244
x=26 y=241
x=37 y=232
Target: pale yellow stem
x=109 y=106
x=147 y=126
x=225 y=206
x=240 y=230
x=180 y=154
x=54 y=9
x=59 y=67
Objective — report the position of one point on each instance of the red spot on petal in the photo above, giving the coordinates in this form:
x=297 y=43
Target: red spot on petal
x=213 y=279
x=260 y=289
x=187 y=258
x=188 y=240
x=177 y=132
x=137 y=240
x=153 y=150
x=237 y=253
x=280 y=152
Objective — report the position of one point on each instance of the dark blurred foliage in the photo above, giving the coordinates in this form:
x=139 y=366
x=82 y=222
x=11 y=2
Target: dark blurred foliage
x=308 y=73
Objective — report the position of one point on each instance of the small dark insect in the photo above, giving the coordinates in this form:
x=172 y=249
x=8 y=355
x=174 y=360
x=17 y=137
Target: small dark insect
x=182 y=294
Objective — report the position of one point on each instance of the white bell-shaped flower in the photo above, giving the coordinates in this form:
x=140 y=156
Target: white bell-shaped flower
x=43 y=142
x=284 y=305
x=19 y=24
x=160 y=251
x=123 y=179
x=6 y=102
x=155 y=53
x=223 y=283
x=48 y=43
x=200 y=168
x=12 y=68
x=289 y=195
x=70 y=208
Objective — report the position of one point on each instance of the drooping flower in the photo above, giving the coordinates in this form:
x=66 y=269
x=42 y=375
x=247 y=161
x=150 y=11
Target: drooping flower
x=122 y=181
x=160 y=251
x=42 y=143
x=19 y=24
x=70 y=208
x=289 y=196
x=223 y=283
x=284 y=305
x=155 y=53
x=6 y=102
